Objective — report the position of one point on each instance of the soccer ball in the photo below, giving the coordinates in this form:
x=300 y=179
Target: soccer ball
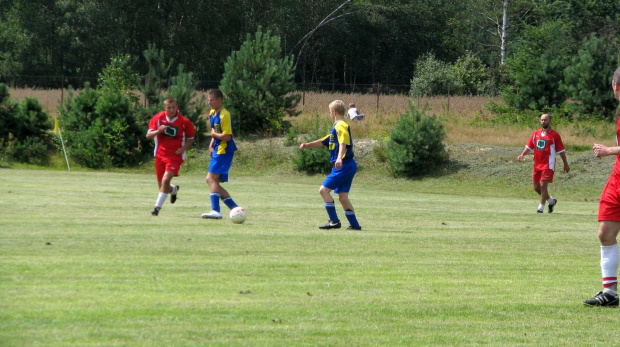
x=238 y=215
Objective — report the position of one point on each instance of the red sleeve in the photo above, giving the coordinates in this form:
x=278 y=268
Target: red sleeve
x=154 y=124
x=530 y=142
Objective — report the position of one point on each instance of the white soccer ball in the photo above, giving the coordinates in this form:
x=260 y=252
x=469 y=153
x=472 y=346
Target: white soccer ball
x=238 y=215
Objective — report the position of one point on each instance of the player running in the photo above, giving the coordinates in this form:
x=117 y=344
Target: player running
x=173 y=134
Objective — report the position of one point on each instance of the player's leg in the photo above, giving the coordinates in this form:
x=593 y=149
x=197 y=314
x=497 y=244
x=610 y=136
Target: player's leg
x=610 y=256
x=547 y=178
x=160 y=171
x=536 y=182
x=213 y=180
x=330 y=207
x=349 y=212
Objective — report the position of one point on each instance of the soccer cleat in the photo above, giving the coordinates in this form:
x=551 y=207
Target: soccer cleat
x=212 y=215
x=602 y=299
x=539 y=211
x=173 y=196
x=330 y=225
x=353 y=228
x=551 y=206
x=155 y=211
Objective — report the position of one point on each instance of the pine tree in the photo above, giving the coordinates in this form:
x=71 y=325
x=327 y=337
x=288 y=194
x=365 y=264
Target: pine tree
x=258 y=84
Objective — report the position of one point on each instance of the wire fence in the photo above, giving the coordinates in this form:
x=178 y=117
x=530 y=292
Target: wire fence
x=314 y=98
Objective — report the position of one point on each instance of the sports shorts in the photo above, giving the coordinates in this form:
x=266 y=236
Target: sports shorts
x=542 y=175
x=340 y=180
x=609 y=205
x=220 y=164
x=163 y=164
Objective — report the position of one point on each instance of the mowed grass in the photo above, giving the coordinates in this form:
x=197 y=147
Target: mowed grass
x=82 y=262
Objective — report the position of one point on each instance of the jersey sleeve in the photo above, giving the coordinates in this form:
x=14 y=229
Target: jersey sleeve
x=325 y=140
x=226 y=122
x=154 y=124
x=530 y=142
x=343 y=133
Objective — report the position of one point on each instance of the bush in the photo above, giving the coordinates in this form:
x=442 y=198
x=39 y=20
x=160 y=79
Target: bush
x=23 y=130
x=432 y=77
x=415 y=147
x=314 y=160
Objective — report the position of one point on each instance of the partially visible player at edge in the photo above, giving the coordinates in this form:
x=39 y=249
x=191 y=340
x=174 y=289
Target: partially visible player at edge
x=173 y=134
x=340 y=144
x=221 y=149
x=546 y=144
x=609 y=219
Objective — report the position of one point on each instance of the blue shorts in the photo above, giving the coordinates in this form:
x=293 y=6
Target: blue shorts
x=340 y=180
x=220 y=164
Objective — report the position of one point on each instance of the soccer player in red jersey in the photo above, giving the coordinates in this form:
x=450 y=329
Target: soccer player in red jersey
x=546 y=144
x=173 y=134
x=609 y=219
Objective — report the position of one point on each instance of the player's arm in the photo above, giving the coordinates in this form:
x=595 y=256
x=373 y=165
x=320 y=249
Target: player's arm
x=314 y=144
x=221 y=137
x=604 y=151
x=151 y=134
x=525 y=152
x=185 y=147
x=342 y=150
x=566 y=166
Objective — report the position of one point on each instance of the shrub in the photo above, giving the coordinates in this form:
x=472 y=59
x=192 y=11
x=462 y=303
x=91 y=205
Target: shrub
x=415 y=147
x=23 y=129
x=432 y=77
x=314 y=160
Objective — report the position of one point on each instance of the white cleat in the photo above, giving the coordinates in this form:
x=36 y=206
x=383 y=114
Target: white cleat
x=212 y=215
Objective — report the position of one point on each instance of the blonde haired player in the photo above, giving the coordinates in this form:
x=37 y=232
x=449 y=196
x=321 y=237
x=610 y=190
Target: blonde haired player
x=340 y=144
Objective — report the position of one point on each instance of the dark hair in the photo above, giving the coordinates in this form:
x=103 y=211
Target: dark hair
x=216 y=93
x=170 y=100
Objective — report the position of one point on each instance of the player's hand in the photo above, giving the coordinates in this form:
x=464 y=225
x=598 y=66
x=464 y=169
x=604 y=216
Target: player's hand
x=161 y=129
x=600 y=150
x=566 y=168
x=338 y=164
x=302 y=146
x=520 y=157
x=210 y=151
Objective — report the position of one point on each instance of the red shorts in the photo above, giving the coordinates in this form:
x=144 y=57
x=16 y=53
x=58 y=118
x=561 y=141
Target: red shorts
x=542 y=175
x=609 y=206
x=163 y=164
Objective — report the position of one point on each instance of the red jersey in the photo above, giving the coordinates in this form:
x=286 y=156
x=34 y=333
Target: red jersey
x=546 y=146
x=178 y=130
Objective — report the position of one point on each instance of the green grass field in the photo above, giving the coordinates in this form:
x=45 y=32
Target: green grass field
x=82 y=262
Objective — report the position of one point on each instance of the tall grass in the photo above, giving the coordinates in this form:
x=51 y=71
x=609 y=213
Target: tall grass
x=459 y=114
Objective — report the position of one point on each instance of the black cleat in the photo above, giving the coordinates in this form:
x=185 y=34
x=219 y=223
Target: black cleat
x=602 y=299
x=330 y=225
x=173 y=196
x=551 y=206
x=539 y=211
x=354 y=228
x=155 y=212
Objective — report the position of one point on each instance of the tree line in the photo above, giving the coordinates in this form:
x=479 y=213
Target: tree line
x=334 y=43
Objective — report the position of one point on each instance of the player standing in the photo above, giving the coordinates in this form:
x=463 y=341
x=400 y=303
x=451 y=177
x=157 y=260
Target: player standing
x=340 y=144
x=609 y=219
x=546 y=144
x=173 y=134
x=221 y=149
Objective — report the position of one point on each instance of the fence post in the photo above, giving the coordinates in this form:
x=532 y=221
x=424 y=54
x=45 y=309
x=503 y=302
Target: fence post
x=378 y=93
x=62 y=89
